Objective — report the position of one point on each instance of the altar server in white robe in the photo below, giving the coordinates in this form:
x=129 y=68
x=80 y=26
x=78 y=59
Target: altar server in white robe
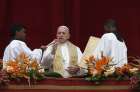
x=112 y=44
x=61 y=55
x=18 y=46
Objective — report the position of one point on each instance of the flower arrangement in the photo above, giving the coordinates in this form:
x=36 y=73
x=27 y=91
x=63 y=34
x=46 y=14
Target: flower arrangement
x=24 y=67
x=100 y=69
x=97 y=66
x=4 y=80
x=135 y=79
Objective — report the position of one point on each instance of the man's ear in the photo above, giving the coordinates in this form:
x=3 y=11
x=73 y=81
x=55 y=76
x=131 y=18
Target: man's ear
x=68 y=36
x=16 y=33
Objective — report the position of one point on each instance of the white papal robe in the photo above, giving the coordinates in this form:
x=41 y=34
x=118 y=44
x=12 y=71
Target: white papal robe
x=112 y=47
x=48 y=57
x=16 y=47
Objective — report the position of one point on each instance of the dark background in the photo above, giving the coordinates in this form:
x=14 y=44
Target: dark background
x=83 y=17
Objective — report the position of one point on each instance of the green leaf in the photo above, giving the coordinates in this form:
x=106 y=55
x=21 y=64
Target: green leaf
x=53 y=74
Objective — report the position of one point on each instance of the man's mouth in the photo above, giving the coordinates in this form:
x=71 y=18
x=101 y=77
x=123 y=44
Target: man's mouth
x=60 y=38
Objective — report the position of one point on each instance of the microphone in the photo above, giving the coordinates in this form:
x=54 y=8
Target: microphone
x=54 y=42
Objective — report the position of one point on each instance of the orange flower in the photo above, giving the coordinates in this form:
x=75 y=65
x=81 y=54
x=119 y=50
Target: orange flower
x=119 y=71
x=124 y=69
x=34 y=65
x=97 y=65
x=100 y=64
x=21 y=66
x=89 y=59
x=1 y=61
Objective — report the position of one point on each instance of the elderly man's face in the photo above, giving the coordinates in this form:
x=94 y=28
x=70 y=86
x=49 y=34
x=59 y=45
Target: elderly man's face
x=63 y=34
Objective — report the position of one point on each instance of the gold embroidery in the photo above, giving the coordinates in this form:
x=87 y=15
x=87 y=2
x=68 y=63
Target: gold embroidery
x=58 y=65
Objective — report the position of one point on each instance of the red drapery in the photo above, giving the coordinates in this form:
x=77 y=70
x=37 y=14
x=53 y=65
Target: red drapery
x=84 y=17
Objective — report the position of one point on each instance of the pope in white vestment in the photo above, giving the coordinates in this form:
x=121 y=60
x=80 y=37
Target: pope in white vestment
x=48 y=58
x=18 y=46
x=66 y=55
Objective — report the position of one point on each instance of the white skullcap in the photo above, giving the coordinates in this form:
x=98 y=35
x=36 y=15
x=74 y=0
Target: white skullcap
x=64 y=27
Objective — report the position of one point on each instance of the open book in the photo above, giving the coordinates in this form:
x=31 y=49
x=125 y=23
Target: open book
x=90 y=47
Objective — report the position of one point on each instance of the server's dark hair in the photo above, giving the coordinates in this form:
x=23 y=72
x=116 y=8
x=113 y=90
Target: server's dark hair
x=16 y=28
x=112 y=23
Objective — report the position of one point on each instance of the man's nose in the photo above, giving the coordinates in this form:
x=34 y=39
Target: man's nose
x=61 y=34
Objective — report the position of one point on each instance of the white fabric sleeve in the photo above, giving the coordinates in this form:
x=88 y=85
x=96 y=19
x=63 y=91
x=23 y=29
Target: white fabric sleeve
x=35 y=54
x=47 y=58
x=79 y=52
